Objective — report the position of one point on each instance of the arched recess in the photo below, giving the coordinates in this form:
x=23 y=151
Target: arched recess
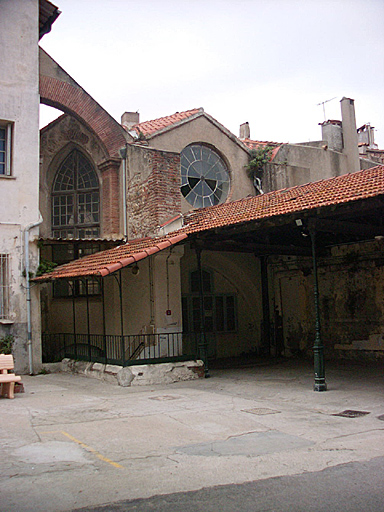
x=59 y=90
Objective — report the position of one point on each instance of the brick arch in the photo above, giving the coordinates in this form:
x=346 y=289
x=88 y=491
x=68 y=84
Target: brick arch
x=59 y=90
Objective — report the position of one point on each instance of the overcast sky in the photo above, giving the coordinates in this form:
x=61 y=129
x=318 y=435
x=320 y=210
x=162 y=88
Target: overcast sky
x=268 y=62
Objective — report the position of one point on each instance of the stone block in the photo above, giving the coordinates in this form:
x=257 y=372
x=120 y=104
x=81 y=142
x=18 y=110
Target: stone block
x=113 y=369
x=125 y=377
x=82 y=366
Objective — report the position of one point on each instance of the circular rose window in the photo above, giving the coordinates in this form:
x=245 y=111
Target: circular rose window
x=204 y=176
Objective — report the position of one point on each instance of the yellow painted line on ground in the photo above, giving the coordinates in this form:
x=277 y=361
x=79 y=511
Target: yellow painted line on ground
x=85 y=446
x=92 y=450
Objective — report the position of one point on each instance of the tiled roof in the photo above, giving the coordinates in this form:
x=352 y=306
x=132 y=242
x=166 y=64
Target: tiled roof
x=256 y=144
x=150 y=127
x=333 y=191
x=106 y=262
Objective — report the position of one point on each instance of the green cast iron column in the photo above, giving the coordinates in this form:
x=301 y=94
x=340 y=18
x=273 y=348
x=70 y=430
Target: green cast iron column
x=318 y=347
x=202 y=345
x=265 y=305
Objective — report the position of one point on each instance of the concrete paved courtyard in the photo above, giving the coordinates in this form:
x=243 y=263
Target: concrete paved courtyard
x=70 y=442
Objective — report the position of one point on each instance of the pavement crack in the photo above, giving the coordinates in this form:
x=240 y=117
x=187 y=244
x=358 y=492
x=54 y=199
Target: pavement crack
x=354 y=434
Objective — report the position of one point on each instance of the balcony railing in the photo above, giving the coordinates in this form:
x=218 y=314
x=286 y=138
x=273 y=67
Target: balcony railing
x=120 y=350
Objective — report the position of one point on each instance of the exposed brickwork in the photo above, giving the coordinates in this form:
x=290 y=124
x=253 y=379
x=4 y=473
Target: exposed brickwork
x=75 y=101
x=154 y=195
x=110 y=198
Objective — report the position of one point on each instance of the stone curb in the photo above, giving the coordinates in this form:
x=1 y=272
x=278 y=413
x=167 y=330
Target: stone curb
x=137 y=375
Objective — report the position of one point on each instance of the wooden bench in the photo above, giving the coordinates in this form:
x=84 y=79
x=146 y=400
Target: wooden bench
x=7 y=377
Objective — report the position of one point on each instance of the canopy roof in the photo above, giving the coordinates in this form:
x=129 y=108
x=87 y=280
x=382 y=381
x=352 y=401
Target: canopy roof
x=303 y=198
x=106 y=262
x=346 y=208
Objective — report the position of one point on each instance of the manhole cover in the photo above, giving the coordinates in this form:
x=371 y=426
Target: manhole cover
x=351 y=414
x=164 y=397
x=261 y=411
x=381 y=417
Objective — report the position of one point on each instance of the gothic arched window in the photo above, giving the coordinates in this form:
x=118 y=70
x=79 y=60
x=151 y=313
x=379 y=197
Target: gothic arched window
x=76 y=199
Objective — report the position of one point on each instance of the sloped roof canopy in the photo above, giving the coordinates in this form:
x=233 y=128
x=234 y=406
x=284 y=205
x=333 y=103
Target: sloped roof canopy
x=342 y=209
x=347 y=208
x=106 y=262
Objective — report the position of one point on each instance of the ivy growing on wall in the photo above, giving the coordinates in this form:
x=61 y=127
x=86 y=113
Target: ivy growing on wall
x=259 y=157
x=6 y=343
x=45 y=266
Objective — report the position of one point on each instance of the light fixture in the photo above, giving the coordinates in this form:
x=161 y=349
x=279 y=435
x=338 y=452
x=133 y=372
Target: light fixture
x=135 y=269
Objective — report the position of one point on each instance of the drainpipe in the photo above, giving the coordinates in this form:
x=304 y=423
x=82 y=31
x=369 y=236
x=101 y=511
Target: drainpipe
x=28 y=289
x=123 y=154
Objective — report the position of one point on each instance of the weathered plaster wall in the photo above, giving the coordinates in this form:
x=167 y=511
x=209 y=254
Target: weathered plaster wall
x=19 y=105
x=351 y=287
x=202 y=130
x=153 y=189
x=296 y=164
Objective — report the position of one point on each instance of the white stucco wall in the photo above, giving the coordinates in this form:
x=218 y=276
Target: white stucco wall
x=19 y=105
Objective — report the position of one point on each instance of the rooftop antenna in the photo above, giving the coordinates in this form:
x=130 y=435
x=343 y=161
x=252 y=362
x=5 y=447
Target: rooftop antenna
x=323 y=103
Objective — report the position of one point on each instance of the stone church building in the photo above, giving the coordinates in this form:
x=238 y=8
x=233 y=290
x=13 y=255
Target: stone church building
x=172 y=240
x=161 y=284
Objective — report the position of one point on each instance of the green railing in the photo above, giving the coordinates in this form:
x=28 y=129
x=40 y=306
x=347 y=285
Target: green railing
x=120 y=350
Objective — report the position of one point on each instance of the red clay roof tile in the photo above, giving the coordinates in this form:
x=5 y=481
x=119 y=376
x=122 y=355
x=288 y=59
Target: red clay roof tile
x=150 y=127
x=333 y=191
x=257 y=144
x=106 y=262
x=338 y=190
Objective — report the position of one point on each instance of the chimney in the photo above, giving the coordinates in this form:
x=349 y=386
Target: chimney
x=350 y=148
x=244 y=131
x=129 y=119
x=332 y=133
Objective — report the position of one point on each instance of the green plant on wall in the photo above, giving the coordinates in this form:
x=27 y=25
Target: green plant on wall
x=45 y=266
x=6 y=343
x=259 y=157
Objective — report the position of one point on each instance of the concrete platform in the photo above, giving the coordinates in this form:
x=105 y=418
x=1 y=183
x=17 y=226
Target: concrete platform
x=70 y=442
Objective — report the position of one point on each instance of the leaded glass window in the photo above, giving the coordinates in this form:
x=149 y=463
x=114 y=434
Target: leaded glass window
x=204 y=176
x=76 y=199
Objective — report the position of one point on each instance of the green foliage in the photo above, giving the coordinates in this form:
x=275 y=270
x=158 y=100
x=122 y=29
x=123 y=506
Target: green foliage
x=259 y=157
x=45 y=266
x=6 y=343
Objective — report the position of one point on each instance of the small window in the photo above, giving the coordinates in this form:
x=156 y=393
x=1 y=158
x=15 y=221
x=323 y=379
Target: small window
x=64 y=253
x=5 y=148
x=4 y=286
x=79 y=288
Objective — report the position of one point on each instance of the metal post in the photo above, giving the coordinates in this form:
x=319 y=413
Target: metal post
x=318 y=347
x=104 y=327
x=71 y=285
x=121 y=317
x=88 y=333
x=202 y=344
x=265 y=304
